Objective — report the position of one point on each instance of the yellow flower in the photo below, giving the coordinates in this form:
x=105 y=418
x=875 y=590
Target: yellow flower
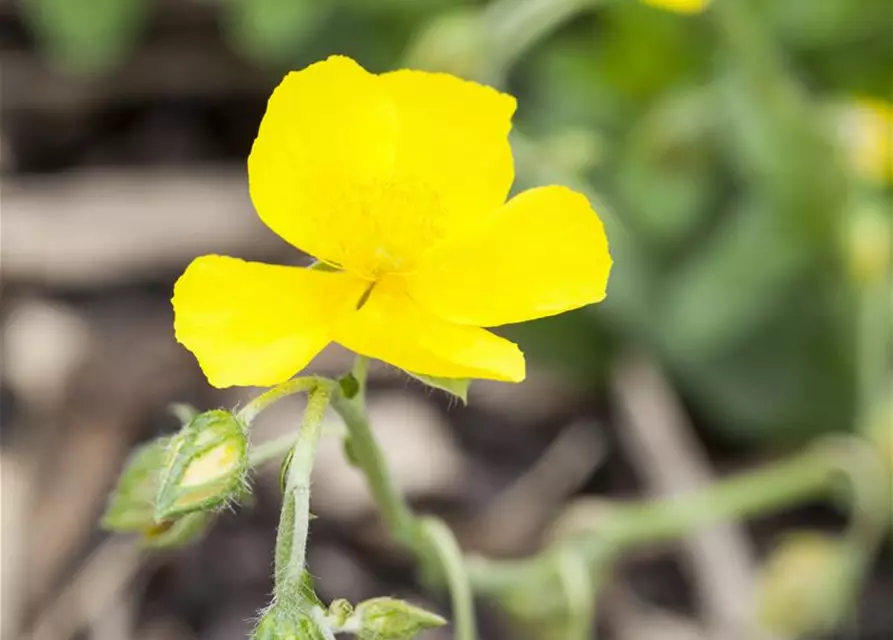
x=398 y=182
x=679 y=6
x=866 y=131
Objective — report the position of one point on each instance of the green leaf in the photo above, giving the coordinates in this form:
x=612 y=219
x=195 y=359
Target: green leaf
x=454 y=386
x=350 y=386
x=283 y=469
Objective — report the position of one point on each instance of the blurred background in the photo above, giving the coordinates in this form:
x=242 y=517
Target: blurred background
x=741 y=159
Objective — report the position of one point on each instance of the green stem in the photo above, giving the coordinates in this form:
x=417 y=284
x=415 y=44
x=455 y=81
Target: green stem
x=291 y=540
x=773 y=487
x=776 y=486
x=271 y=450
x=628 y=526
x=394 y=510
x=576 y=582
x=264 y=400
x=443 y=543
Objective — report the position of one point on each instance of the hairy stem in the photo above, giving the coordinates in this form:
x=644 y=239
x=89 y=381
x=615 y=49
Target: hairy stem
x=291 y=540
x=579 y=591
x=264 y=400
x=394 y=510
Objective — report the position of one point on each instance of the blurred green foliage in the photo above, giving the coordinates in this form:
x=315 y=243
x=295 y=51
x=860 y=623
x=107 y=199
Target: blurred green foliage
x=709 y=137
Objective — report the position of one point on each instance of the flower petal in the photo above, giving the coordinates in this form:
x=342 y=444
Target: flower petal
x=543 y=253
x=368 y=171
x=253 y=324
x=392 y=328
x=453 y=138
x=329 y=134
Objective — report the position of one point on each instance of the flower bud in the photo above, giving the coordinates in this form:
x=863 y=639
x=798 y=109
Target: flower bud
x=805 y=585
x=339 y=613
x=205 y=466
x=390 y=619
x=131 y=505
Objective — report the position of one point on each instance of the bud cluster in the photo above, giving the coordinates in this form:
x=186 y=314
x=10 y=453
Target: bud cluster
x=172 y=486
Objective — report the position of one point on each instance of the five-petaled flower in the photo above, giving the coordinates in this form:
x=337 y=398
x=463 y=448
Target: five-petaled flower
x=398 y=184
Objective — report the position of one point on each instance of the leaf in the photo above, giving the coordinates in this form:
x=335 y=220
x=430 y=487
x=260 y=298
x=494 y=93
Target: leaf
x=350 y=386
x=454 y=386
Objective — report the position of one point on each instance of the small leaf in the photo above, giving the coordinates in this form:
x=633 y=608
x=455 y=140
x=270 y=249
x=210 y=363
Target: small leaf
x=350 y=386
x=391 y=619
x=454 y=386
x=339 y=612
x=284 y=468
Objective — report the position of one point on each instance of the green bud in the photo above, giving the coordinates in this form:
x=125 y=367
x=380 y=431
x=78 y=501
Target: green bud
x=131 y=505
x=281 y=622
x=390 y=619
x=177 y=533
x=205 y=466
x=806 y=585
x=339 y=613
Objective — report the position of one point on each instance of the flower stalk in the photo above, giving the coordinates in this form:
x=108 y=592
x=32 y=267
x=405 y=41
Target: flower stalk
x=394 y=510
x=287 y=388
x=444 y=546
x=291 y=539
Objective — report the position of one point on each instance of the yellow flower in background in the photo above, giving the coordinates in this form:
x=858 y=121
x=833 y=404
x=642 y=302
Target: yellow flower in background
x=679 y=6
x=866 y=132
x=398 y=183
